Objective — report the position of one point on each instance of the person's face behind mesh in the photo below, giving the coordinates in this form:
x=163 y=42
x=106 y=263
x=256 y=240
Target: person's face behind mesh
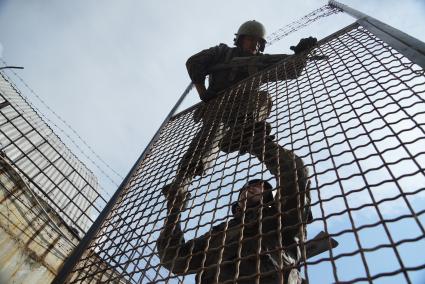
x=252 y=195
x=250 y=44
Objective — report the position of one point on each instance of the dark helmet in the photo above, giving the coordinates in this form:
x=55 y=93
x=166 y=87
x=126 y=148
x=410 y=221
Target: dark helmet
x=268 y=196
x=252 y=28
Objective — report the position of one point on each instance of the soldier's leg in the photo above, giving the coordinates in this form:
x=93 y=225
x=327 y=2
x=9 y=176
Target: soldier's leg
x=261 y=106
x=171 y=237
x=191 y=163
x=250 y=133
x=241 y=139
x=253 y=135
x=291 y=175
x=293 y=197
x=246 y=121
x=202 y=152
x=289 y=169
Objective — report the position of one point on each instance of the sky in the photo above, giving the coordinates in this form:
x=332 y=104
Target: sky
x=113 y=70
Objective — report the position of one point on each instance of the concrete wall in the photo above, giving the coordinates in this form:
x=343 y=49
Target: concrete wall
x=32 y=248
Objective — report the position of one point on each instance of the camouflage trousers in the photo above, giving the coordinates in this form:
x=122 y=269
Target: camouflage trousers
x=237 y=123
x=222 y=120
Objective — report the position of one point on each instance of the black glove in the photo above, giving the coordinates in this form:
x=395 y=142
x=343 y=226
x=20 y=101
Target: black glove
x=305 y=44
x=207 y=96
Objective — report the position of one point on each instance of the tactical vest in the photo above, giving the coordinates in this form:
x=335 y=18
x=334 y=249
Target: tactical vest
x=221 y=80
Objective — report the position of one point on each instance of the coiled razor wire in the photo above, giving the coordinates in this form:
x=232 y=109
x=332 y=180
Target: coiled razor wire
x=357 y=122
x=312 y=17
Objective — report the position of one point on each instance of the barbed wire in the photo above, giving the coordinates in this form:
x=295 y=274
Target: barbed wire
x=97 y=156
x=322 y=12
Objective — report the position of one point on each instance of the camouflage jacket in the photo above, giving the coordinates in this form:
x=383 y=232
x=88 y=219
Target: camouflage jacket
x=199 y=66
x=235 y=248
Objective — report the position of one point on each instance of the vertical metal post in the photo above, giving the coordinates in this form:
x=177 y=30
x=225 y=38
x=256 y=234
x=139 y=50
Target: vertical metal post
x=82 y=246
x=407 y=45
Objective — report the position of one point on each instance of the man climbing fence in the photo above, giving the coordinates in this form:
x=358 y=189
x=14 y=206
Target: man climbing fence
x=236 y=122
x=263 y=242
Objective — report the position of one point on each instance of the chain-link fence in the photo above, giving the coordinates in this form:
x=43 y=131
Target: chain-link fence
x=54 y=174
x=340 y=141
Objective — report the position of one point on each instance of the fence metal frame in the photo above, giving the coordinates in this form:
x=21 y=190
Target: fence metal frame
x=79 y=250
x=409 y=46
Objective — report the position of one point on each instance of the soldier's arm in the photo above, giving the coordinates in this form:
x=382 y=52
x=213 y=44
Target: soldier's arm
x=299 y=60
x=201 y=89
x=288 y=68
x=293 y=65
x=176 y=254
x=179 y=256
x=198 y=66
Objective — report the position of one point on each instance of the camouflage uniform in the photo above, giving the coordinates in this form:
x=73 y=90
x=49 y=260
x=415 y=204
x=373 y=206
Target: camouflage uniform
x=279 y=256
x=237 y=122
x=222 y=117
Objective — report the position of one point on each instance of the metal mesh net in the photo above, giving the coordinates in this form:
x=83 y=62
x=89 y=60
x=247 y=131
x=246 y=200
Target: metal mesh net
x=341 y=142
